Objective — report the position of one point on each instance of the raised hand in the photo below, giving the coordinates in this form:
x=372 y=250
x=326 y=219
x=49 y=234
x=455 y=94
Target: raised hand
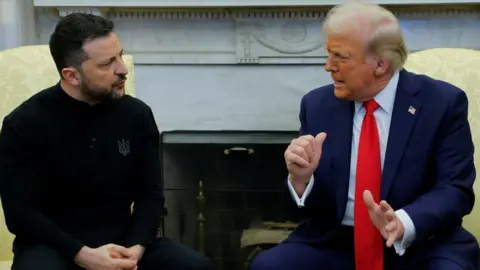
x=302 y=157
x=384 y=218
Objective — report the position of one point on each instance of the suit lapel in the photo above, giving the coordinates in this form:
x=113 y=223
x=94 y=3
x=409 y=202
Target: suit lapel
x=405 y=113
x=341 y=146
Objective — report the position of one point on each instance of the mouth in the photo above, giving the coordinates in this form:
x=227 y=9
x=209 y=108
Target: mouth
x=120 y=84
x=337 y=83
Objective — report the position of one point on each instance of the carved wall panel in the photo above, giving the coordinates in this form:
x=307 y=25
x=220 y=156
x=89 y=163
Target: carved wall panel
x=256 y=37
x=276 y=41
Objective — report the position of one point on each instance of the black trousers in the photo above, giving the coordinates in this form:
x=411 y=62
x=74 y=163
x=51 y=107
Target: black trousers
x=163 y=254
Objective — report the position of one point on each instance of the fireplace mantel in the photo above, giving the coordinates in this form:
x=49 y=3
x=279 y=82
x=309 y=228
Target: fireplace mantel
x=229 y=3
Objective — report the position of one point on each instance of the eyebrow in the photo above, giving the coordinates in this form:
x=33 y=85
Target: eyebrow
x=342 y=53
x=333 y=51
x=112 y=58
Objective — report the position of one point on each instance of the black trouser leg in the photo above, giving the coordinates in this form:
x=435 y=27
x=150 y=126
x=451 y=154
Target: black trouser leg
x=40 y=257
x=164 y=254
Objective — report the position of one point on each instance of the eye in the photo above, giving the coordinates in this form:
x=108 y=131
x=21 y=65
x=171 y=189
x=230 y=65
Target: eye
x=343 y=57
x=108 y=63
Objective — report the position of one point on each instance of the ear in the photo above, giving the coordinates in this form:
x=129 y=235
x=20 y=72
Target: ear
x=381 y=66
x=71 y=76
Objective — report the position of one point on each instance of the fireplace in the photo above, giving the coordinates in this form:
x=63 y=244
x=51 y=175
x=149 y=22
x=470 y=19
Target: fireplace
x=223 y=190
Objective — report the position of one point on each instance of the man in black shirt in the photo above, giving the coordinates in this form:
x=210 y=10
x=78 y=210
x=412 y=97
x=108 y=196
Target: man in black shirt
x=74 y=157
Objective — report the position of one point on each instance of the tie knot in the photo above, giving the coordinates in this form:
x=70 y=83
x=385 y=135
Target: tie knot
x=370 y=105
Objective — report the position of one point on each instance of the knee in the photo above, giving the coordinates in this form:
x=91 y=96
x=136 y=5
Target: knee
x=266 y=260
x=195 y=261
x=444 y=264
x=31 y=258
x=203 y=263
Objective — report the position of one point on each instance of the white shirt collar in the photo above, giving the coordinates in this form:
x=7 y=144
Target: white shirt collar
x=386 y=97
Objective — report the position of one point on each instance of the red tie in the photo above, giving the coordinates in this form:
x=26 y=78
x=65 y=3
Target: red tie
x=368 y=240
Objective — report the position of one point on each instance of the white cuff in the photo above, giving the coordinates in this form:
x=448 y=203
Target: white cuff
x=300 y=201
x=409 y=234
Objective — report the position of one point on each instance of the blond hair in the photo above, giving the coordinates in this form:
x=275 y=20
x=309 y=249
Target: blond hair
x=375 y=25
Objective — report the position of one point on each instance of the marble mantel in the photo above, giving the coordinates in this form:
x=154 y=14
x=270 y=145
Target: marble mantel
x=258 y=31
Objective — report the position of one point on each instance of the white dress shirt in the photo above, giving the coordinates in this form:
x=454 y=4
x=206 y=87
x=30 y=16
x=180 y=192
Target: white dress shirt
x=383 y=116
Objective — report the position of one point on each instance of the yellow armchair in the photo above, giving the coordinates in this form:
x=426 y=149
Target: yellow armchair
x=460 y=67
x=23 y=72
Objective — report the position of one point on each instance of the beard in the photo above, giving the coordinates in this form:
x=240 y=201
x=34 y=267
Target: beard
x=96 y=93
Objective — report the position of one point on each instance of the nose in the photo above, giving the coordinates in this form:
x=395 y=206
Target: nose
x=329 y=65
x=121 y=68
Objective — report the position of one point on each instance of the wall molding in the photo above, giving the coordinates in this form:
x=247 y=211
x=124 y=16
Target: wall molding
x=230 y=3
x=258 y=36
x=64 y=11
x=277 y=13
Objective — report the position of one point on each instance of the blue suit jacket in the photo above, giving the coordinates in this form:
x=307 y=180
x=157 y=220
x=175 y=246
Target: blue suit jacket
x=428 y=171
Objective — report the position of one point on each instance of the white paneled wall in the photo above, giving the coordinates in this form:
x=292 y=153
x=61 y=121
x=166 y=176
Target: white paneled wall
x=242 y=69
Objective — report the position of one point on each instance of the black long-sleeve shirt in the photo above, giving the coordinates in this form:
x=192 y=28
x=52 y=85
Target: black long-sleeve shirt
x=69 y=172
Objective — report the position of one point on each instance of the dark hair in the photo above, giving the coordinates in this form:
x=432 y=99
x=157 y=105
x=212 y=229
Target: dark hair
x=71 y=33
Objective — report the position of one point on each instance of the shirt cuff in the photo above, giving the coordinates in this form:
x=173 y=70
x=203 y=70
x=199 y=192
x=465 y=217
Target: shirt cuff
x=409 y=233
x=300 y=201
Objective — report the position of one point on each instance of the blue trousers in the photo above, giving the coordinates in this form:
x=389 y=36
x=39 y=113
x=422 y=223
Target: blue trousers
x=338 y=253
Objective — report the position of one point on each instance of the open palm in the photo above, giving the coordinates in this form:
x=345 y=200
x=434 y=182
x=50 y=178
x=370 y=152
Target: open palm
x=384 y=218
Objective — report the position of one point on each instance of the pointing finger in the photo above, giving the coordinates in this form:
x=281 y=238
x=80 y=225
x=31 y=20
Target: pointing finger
x=368 y=199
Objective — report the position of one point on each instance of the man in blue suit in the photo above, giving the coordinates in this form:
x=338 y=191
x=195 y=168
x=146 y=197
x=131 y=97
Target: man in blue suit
x=389 y=186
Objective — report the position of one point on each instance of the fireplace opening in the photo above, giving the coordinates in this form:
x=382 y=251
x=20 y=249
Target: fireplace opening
x=225 y=193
